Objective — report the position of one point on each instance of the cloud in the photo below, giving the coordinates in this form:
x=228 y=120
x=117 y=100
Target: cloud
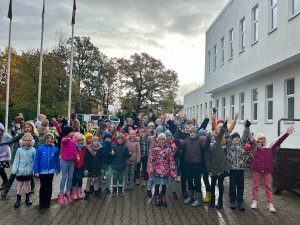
x=117 y=27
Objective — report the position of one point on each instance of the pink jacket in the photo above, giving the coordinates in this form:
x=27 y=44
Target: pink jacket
x=68 y=149
x=134 y=148
x=262 y=160
x=161 y=162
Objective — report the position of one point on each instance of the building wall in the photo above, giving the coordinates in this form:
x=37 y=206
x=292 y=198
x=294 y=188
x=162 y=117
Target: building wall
x=272 y=50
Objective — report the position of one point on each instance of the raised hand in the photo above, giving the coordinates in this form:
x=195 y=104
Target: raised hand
x=290 y=130
x=236 y=116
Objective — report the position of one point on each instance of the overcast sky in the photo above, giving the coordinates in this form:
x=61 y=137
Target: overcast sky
x=170 y=30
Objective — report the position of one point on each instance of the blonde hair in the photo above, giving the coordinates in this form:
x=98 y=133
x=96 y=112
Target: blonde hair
x=259 y=135
x=34 y=131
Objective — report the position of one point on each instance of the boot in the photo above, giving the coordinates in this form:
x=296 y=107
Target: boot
x=198 y=201
x=207 y=197
x=18 y=202
x=114 y=192
x=149 y=193
x=4 y=192
x=241 y=206
x=212 y=202
x=232 y=205
x=190 y=198
x=120 y=191
x=184 y=194
x=86 y=195
x=92 y=189
x=98 y=193
x=220 y=203
x=164 y=200
x=75 y=193
x=79 y=193
x=157 y=200
x=27 y=200
x=107 y=191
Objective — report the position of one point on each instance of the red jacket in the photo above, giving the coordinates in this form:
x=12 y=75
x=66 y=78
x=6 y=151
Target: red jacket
x=161 y=162
x=81 y=152
x=133 y=145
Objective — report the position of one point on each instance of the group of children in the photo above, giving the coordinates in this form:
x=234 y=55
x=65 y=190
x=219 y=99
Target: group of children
x=161 y=151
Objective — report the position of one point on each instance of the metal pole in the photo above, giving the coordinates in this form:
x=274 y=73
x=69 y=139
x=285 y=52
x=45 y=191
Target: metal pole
x=41 y=63
x=8 y=79
x=71 y=78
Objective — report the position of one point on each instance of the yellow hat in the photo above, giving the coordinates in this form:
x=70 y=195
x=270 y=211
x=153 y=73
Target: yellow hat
x=87 y=135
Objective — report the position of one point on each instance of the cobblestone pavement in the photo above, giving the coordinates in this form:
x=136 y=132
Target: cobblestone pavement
x=133 y=208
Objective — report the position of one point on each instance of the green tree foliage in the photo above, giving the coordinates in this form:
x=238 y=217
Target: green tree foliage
x=147 y=83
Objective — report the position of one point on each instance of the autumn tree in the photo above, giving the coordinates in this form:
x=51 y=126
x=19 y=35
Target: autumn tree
x=147 y=83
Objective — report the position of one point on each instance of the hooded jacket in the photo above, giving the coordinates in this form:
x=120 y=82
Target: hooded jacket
x=4 y=149
x=46 y=160
x=134 y=148
x=24 y=161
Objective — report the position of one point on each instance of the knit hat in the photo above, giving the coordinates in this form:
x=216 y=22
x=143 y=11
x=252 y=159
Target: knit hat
x=87 y=135
x=168 y=133
x=131 y=132
x=49 y=135
x=79 y=136
x=202 y=132
x=159 y=128
x=1 y=126
x=151 y=124
x=193 y=129
x=234 y=135
x=161 y=136
x=41 y=117
x=121 y=136
x=213 y=134
x=29 y=136
x=220 y=122
x=67 y=130
x=107 y=134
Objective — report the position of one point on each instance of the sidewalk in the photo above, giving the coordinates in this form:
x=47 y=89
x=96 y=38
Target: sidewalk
x=134 y=209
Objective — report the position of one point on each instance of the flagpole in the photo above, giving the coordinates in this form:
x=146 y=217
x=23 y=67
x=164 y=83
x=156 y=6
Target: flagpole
x=41 y=62
x=8 y=78
x=71 y=78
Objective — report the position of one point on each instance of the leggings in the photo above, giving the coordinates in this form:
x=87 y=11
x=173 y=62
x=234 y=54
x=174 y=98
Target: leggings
x=163 y=189
x=220 y=179
x=3 y=175
x=67 y=170
x=20 y=187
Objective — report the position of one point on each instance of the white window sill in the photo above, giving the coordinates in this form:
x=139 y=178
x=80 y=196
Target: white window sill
x=269 y=122
x=288 y=122
x=230 y=59
x=254 y=43
x=242 y=50
x=221 y=64
x=293 y=16
x=271 y=31
x=254 y=122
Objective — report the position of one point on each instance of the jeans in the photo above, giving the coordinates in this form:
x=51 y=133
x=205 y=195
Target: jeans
x=67 y=170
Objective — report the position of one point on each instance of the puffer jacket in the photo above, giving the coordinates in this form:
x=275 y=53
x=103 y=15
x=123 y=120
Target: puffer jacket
x=236 y=151
x=262 y=160
x=24 y=161
x=133 y=145
x=46 y=160
x=68 y=149
x=4 y=149
x=161 y=162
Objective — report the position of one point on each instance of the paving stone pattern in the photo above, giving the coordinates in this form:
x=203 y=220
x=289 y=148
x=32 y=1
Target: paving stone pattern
x=133 y=209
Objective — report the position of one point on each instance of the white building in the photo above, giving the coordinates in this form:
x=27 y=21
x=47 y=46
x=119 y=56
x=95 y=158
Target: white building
x=252 y=66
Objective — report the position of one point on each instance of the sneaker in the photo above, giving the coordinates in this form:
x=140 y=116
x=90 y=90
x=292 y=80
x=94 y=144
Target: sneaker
x=271 y=208
x=137 y=182
x=69 y=197
x=254 y=204
x=241 y=206
x=149 y=193
x=177 y=179
x=61 y=199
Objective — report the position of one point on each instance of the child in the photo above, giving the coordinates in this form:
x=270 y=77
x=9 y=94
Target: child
x=68 y=157
x=144 y=145
x=78 y=174
x=134 y=148
x=46 y=164
x=88 y=138
x=4 y=155
x=29 y=127
x=23 y=167
x=217 y=165
x=236 y=156
x=120 y=153
x=161 y=166
x=107 y=158
x=92 y=167
x=262 y=163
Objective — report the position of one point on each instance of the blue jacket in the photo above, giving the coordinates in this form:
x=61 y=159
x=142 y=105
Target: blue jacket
x=23 y=163
x=46 y=160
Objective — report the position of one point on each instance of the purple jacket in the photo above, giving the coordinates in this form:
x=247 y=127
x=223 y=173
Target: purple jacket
x=262 y=160
x=68 y=149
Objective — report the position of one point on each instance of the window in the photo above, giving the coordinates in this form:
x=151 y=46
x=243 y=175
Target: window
x=191 y=112
x=215 y=57
x=197 y=111
x=242 y=106
x=205 y=109
x=230 y=44
x=222 y=56
x=269 y=102
x=273 y=15
x=194 y=112
x=223 y=107
x=210 y=108
x=290 y=98
x=232 y=110
x=254 y=104
x=295 y=7
x=242 y=34
x=217 y=107
x=208 y=69
x=201 y=112
x=255 y=24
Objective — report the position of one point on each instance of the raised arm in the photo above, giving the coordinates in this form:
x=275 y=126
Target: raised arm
x=278 y=142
